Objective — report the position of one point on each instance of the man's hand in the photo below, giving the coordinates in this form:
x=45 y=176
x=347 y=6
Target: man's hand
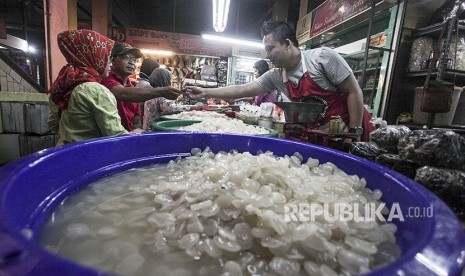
x=196 y=92
x=170 y=93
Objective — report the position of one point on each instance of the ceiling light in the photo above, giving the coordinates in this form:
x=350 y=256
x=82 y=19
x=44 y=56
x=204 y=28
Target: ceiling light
x=157 y=52
x=220 y=14
x=231 y=40
x=31 y=49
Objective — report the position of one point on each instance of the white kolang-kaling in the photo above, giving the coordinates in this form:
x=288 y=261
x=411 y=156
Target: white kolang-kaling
x=225 y=125
x=196 y=115
x=209 y=214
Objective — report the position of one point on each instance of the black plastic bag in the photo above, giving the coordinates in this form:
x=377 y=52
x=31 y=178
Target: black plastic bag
x=432 y=147
x=387 y=137
x=367 y=150
x=395 y=162
x=449 y=185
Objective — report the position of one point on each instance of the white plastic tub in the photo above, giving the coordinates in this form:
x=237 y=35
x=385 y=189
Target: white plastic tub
x=445 y=119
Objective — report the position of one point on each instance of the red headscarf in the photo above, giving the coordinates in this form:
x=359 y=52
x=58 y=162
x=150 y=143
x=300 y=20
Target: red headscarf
x=87 y=53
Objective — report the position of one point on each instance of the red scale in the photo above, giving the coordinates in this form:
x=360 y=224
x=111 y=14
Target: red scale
x=302 y=124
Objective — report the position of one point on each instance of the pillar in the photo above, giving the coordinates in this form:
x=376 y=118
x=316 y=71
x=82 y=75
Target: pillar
x=72 y=14
x=280 y=10
x=56 y=21
x=101 y=16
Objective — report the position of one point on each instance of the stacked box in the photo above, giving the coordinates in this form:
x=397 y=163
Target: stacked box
x=9 y=148
x=29 y=144
x=20 y=117
x=13 y=117
x=36 y=116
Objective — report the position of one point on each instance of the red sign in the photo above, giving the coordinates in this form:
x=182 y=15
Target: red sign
x=178 y=43
x=333 y=12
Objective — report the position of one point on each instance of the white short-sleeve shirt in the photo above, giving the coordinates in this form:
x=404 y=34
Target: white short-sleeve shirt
x=325 y=66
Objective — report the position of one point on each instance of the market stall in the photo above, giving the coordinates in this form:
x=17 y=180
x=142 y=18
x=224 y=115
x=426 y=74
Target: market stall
x=190 y=58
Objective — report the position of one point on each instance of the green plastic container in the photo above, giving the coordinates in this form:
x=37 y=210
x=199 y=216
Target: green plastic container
x=172 y=124
x=175 y=125
x=169 y=118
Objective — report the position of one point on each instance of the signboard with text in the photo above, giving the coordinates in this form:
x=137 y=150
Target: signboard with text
x=178 y=43
x=303 y=28
x=333 y=12
x=241 y=51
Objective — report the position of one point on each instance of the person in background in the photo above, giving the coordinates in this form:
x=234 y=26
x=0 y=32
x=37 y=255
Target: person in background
x=124 y=58
x=319 y=73
x=82 y=108
x=261 y=67
x=157 y=107
x=146 y=69
x=23 y=63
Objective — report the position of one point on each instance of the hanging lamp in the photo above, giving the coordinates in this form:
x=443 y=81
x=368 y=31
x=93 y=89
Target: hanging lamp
x=220 y=14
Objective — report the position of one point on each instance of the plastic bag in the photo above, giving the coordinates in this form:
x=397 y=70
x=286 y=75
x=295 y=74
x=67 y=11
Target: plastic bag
x=266 y=109
x=449 y=185
x=395 y=162
x=378 y=122
x=387 y=137
x=367 y=150
x=208 y=73
x=433 y=147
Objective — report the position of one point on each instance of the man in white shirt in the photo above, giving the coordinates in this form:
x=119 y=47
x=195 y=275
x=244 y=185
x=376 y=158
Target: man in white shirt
x=299 y=75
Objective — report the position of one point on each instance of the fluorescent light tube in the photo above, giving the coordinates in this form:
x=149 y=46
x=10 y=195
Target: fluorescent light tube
x=220 y=14
x=231 y=40
x=157 y=52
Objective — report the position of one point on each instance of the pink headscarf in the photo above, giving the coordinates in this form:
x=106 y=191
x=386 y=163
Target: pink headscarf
x=87 y=53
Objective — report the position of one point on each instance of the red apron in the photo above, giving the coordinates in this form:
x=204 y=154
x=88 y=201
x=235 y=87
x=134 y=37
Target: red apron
x=337 y=102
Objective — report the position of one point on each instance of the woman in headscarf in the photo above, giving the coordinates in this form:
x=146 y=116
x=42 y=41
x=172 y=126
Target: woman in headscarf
x=155 y=108
x=81 y=107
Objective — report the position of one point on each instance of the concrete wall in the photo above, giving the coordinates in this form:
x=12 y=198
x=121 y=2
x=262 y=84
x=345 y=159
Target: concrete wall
x=10 y=80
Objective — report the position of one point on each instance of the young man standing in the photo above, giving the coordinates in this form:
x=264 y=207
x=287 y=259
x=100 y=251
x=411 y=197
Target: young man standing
x=124 y=58
x=320 y=73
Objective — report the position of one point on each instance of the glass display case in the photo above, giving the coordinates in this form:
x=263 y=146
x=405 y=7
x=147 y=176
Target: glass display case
x=242 y=70
x=455 y=67
x=369 y=83
x=428 y=38
x=377 y=27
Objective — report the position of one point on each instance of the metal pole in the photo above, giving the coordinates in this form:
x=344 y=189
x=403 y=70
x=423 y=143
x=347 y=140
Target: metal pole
x=174 y=16
x=367 y=43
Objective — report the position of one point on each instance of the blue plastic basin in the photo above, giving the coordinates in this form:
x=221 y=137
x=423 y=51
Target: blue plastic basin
x=31 y=188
